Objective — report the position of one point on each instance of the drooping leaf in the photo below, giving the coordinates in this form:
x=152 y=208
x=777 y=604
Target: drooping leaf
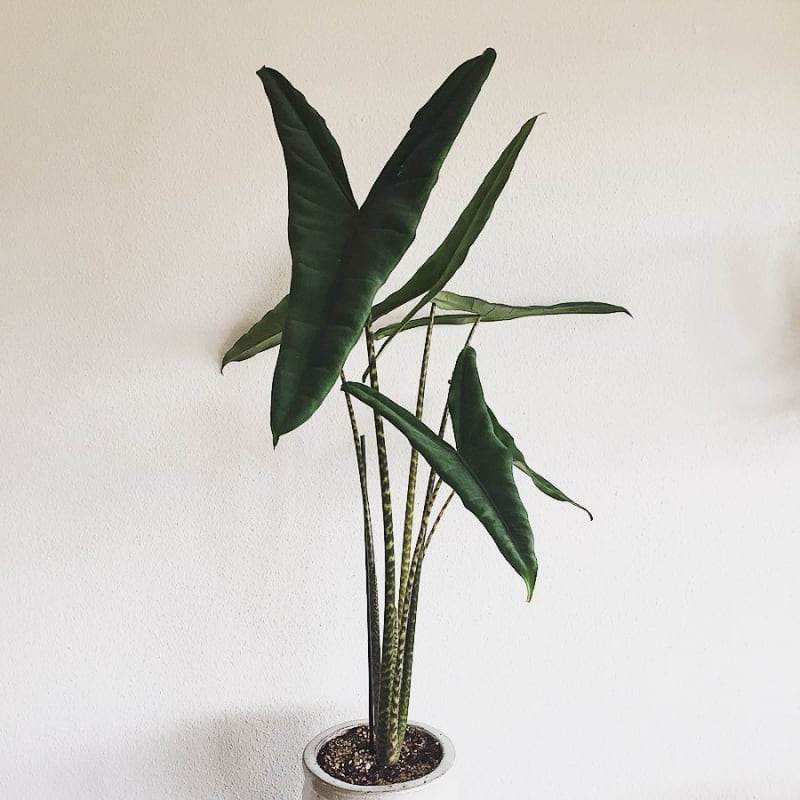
x=485 y=493
x=450 y=254
x=499 y=312
x=491 y=460
x=265 y=334
x=541 y=483
x=340 y=256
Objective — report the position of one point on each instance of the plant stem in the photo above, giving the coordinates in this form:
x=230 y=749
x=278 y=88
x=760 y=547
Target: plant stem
x=411 y=625
x=408 y=608
x=408 y=525
x=408 y=655
x=432 y=488
x=472 y=331
x=386 y=733
x=373 y=612
x=403 y=604
x=438 y=520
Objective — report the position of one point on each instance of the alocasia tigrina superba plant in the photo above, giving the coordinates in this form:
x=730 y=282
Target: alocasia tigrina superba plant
x=342 y=254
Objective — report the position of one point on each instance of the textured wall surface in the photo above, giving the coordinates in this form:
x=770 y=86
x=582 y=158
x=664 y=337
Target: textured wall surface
x=180 y=605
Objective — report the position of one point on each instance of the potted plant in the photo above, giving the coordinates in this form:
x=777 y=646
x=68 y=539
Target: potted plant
x=342 y=253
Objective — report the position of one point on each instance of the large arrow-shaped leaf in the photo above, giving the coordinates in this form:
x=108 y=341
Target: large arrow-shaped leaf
x=488 y=493
x=341 y=258
x=452 y=252
x=322 y=211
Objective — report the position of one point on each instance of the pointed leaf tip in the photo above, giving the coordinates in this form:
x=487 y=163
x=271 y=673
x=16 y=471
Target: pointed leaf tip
x=428 y=281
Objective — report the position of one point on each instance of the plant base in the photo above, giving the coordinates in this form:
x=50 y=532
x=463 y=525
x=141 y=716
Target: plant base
x=350 y=758
x=343 y=741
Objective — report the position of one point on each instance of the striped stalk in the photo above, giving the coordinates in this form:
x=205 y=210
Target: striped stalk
x=411 y=624
x=408 y=611
x=408 y=525
x=408 y=655
x=386 y=732
x=409 y=599
x=373 y=611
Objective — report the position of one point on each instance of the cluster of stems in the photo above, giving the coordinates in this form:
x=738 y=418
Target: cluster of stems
x=390 y=655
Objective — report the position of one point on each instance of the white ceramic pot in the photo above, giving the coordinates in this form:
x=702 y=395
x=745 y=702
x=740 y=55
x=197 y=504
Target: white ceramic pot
x=437 y=785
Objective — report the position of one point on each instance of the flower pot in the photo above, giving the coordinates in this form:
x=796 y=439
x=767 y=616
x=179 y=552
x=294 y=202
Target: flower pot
x=437 y=785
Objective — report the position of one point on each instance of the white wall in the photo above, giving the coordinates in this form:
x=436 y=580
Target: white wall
x=180 y=606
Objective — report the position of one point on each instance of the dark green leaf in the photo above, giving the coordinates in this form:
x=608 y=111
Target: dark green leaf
x=493 y=312
x=340 y=257
x=542 y=484
x=488 y=493
x=322 y=210
x=450 y=254
x=498 y=312
x=490 y=459
x=265 y=334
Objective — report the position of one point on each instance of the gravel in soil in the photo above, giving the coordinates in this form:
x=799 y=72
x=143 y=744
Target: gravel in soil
x=349 y=758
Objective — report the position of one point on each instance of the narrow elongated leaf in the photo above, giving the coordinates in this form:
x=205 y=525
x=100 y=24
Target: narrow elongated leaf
x=499 y=312
x=342 y=257
x=265 y=334
x=542 y=484
x=450 y=254
x=489 y=497
x=475 y=308
x=491 y=461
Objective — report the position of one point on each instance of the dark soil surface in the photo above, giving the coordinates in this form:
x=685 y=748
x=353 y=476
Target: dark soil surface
x=349 y=758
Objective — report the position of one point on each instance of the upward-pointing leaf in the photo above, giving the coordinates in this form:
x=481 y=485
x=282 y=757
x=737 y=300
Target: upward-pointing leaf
x=450 y=254
x=342 y=257
x=322 y=211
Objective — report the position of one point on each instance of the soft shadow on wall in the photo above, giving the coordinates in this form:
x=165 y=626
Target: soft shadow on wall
x=790 y=355
x=241 y=755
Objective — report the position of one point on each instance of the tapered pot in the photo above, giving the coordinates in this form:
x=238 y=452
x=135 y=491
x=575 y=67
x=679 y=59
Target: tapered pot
x=437 y=785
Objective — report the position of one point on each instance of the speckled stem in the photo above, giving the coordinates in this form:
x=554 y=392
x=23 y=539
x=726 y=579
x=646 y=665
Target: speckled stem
x=386 y=731
x=373 y=611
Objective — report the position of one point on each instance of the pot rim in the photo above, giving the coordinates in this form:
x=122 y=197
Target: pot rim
x=313 y=768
